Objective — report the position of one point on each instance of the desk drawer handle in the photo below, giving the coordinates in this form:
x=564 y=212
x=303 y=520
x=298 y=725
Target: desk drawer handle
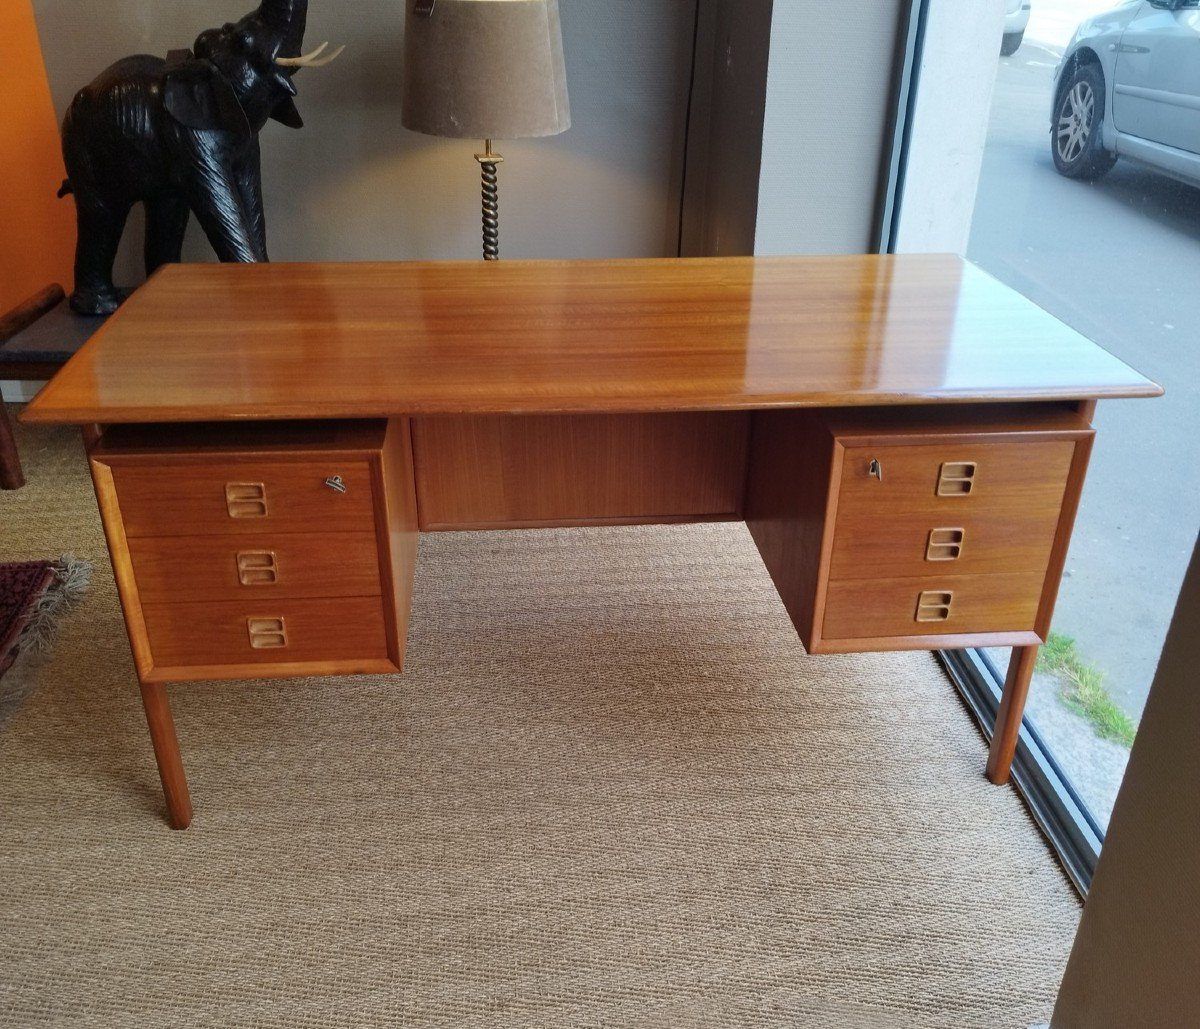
x=956 y=478
x=335 y=483
x=257 y=568
x=934 y=605
x=875 y=469
x=266 y=633
x=945 y=545
x=246 y=499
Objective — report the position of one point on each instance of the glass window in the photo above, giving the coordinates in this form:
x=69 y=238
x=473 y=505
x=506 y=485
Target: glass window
x=1089 y=204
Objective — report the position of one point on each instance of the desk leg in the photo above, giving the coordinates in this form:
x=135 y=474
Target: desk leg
x=11 y=476
x=166 y=753
x=1012 y=709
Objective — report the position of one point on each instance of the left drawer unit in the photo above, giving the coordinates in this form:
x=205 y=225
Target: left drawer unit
x=260 y=550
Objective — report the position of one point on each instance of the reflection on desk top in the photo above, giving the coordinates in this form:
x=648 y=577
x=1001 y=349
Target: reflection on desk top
x=214 y=342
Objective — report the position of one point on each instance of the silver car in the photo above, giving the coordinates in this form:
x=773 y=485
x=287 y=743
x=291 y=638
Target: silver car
x=1016 y=20
x=1128 y=86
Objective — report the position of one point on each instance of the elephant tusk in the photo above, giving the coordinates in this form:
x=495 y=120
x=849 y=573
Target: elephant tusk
x=313 y=59
x=329 y=58
x=303 y=60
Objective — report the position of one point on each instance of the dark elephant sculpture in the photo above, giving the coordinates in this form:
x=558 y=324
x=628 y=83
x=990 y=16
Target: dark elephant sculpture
x=180 y=136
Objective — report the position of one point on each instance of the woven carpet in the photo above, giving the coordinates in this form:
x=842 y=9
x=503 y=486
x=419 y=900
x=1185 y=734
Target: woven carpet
x=610 y=789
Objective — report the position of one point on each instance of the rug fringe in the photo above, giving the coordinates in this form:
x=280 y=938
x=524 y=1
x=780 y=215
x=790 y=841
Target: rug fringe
x=73 y=575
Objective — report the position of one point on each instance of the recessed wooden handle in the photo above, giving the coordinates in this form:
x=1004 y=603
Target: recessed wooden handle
x=945 y=545
x=257 y=568
x=956 y=478
x=266 y=633
x=246 y=499
x=934 y=605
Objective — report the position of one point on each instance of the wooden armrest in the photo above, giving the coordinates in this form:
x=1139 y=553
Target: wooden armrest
x=29 y=311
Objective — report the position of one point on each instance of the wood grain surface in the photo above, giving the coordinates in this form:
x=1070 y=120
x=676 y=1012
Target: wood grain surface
x=788 y=501
x=202 y=633
x=869 y=608
x=487 y=471
x=1008 y=520
x=396 y=531
x=165 y=498
x=271 y=341
x=303 y=564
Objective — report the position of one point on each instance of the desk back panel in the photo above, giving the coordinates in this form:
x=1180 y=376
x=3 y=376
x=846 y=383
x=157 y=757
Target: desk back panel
x=485 y=472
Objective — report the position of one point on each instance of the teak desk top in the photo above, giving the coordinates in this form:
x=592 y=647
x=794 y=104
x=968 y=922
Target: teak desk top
x=207 y=342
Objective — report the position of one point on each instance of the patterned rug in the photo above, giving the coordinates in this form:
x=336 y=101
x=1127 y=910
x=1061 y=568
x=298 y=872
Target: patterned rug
x=33 y=594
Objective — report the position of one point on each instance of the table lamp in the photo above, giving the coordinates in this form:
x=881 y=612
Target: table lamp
x=484 y=69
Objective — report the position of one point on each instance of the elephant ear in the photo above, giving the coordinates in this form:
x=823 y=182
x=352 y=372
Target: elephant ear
x=285 y=111
x=197 y=95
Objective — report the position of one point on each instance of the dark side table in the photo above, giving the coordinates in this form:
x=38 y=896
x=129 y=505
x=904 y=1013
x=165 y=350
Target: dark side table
x=36 y=339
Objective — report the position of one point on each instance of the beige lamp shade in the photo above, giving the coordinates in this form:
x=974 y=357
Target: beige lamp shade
x=484 y=69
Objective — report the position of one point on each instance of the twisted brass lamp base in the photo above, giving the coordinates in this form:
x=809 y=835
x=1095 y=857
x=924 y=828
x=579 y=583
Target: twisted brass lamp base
x=491 y=201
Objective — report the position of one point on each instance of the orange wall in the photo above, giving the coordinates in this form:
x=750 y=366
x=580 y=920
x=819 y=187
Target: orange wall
x=37 y=230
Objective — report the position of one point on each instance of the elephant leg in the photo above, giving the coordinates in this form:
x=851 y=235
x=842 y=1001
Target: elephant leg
x=100 y=227
x=166 y=223
x=216 y=200
x=249 y=179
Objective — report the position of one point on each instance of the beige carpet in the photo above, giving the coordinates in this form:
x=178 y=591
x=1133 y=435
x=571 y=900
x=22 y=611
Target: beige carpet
x=611 y=789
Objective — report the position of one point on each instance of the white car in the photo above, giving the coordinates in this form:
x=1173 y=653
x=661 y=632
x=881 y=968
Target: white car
x=1016 y=18
x=1128 y=86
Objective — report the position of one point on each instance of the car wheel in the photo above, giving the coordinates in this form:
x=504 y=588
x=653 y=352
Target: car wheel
x=1075 y=136
x=1011 y=43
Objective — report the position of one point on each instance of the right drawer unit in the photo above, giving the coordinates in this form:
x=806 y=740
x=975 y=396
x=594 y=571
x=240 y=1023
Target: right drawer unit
x=923 y=533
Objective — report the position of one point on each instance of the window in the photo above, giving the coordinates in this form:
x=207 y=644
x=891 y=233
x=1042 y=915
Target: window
x=1089 y=204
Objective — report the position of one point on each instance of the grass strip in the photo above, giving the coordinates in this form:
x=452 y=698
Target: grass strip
x=1081 y=686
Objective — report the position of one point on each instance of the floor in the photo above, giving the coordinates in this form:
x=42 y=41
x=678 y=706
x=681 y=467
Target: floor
x=609 y=789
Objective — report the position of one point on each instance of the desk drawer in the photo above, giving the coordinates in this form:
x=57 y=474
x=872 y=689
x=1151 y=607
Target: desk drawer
x=158 y=498
x=950 y=604
x=255 y=566
x=1010 y=538
x=264 y=632
x=977 y=507
x=944 y=480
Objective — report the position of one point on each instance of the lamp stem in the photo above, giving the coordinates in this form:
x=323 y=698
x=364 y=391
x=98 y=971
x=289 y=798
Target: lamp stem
x=491 y=201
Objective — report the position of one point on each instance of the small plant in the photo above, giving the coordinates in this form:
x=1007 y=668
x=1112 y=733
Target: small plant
x=1081 y=686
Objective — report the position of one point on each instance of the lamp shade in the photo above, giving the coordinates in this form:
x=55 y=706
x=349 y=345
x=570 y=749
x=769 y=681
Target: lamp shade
x=484 y=69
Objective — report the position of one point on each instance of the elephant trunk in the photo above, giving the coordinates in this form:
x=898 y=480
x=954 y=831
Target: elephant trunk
x=289 y=16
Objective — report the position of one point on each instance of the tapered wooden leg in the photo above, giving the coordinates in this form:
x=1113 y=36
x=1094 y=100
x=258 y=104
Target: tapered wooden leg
x=1012 y=709
x=166 y=753
x=11 y=476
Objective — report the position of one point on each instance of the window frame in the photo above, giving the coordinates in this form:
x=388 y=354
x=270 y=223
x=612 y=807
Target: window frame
x=1053 y=802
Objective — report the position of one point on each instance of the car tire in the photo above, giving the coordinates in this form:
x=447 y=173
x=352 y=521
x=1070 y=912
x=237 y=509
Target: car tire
x=1075 y=133
x=1011 y=43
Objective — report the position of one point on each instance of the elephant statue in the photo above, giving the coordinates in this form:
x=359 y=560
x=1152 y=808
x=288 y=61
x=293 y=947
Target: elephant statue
x=180 y=136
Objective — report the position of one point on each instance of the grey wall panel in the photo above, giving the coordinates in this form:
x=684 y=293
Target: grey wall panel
x=726 y=127
x=354 y=185
x=829 y=91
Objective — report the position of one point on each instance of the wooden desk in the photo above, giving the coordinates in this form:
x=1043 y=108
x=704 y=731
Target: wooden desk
x=905 y=437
